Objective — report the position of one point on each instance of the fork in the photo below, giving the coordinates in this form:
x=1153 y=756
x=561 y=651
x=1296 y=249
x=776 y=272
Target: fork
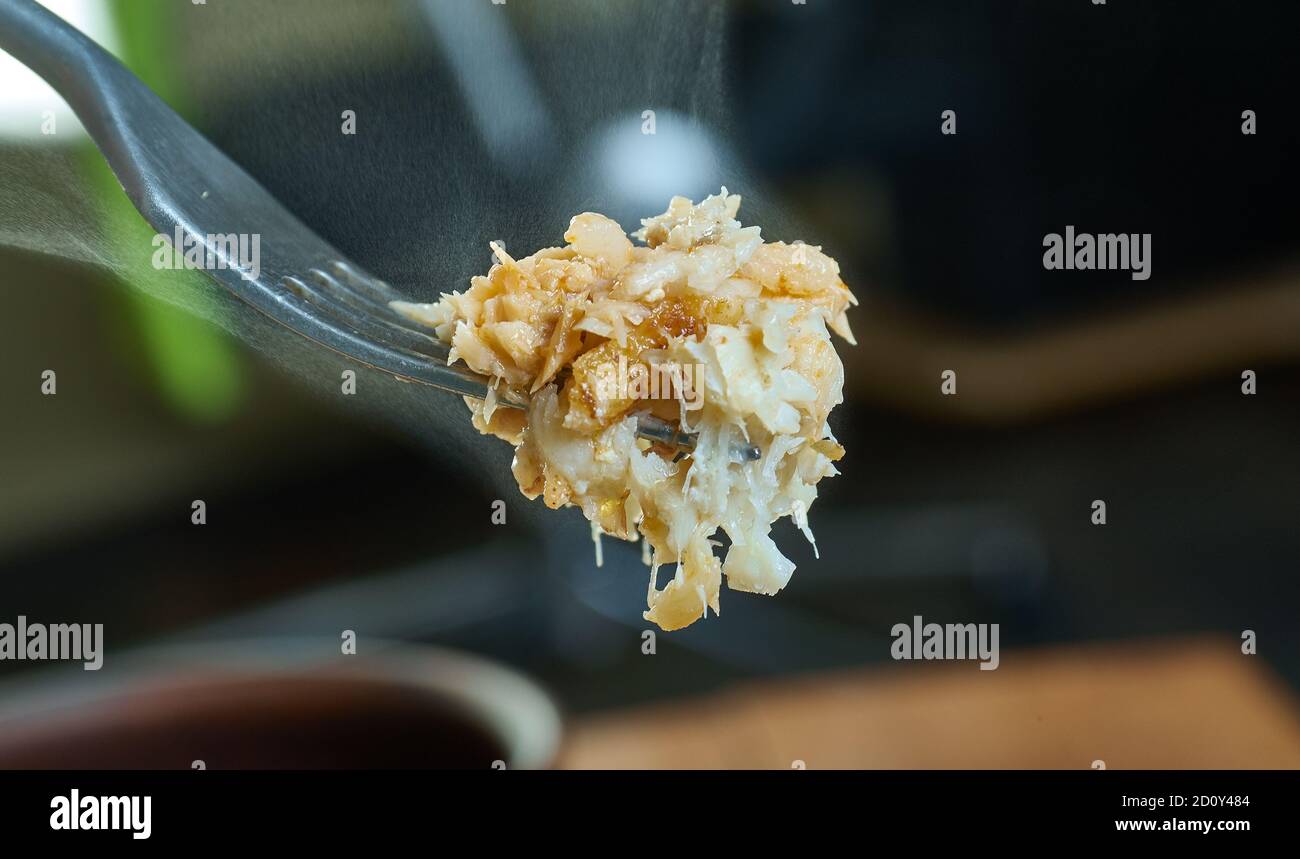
x=181 y=182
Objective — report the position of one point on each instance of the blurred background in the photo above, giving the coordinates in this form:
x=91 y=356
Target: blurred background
x=478 y=121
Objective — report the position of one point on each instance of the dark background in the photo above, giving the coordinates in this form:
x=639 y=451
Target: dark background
x=329 y=513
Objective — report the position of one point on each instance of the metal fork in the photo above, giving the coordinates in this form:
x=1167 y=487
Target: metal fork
x=178 y=180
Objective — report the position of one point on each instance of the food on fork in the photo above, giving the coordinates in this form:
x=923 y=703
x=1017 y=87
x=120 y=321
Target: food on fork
x=705 y=325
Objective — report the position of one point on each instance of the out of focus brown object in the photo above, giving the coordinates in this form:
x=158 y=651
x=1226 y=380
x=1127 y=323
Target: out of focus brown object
x=1231 y=325
x=1172 y=705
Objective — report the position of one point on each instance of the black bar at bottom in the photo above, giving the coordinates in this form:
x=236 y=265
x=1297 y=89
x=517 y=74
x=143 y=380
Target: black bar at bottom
x=328 y=808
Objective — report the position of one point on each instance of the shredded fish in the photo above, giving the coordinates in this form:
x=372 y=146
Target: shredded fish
x=580 y=332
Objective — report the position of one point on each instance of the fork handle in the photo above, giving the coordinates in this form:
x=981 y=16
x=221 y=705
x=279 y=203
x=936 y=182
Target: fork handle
x=65 y=57
x=35 y=35
x=101 y=91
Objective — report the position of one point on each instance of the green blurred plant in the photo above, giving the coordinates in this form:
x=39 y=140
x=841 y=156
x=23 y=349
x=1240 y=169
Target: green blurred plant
x=195 y=364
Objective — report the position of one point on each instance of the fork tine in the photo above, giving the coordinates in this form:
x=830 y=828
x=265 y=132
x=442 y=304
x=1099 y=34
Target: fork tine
x=370 y=296
x=364 y=285
x=294 y=300
x=368 y=305
x=314 y=288
x=362 y=290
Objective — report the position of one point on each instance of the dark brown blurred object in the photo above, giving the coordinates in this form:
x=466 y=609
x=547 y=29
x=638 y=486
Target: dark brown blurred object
x=283 y=705
x=245 y=723
x=1230 y=326
x=1172 y=705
